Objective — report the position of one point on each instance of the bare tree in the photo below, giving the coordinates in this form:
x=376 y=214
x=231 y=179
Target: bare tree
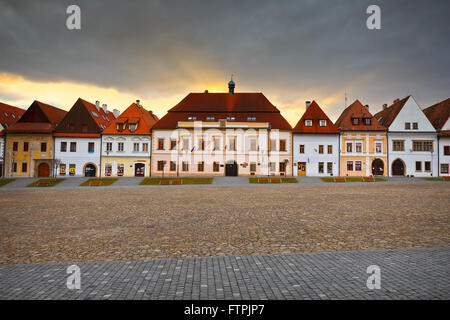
x=55 y=163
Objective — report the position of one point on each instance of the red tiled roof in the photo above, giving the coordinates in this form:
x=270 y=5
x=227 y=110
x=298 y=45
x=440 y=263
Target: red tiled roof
x=223 y=105
x=100 y=120
x=225 y=102
x=357 y=110
x=81 y=135
x=445 y=133
x=438 y=113
x=6 y=114
x=30 y=127
x=54 y=114
x=131 y=115
x=154 y=116
x=386 y=116
x=315 y=113
x=38 y=118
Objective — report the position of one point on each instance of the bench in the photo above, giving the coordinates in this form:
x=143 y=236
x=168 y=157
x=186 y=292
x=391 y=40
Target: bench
x=446 y=178
x=263 y=180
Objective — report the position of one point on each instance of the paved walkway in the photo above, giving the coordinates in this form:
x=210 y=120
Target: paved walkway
x=405 y=274
x=133 y=182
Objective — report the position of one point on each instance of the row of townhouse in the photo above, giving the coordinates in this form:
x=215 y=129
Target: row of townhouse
x=224 y=134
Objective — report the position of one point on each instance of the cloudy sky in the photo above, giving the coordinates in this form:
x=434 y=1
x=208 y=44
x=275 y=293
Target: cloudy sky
x=159 y=51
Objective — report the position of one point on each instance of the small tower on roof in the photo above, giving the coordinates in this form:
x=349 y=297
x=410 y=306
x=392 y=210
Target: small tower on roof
x=231 y=86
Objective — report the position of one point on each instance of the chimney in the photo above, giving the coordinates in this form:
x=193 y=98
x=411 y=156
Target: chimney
x=97 y=105
x=116 y=113
x=206 y=91
x=105 y=108
x=138 y=102
x=385 y=106
x=308 y=103
x=396 y=100
x=367 y=106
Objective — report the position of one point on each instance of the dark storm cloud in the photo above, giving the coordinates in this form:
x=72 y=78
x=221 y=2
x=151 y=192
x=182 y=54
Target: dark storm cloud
x=286 y=48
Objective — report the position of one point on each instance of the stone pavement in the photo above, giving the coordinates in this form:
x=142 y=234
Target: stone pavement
x=405 y=274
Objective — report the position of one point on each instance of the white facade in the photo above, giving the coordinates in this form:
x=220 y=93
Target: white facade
x=411 y=126
x=77 y=155
x=311 y=156
x=245 y=144
x=129 y=152
x=444 y=159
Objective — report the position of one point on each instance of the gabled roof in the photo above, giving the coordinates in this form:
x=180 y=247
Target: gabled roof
x=38 y=118
x=9 y=114
x=104 y=119
x=387 y=116
x=315 y=113
x=132 y=114
x=357 y=110
x=84 y=118
x=204 y=106
x=438 y=113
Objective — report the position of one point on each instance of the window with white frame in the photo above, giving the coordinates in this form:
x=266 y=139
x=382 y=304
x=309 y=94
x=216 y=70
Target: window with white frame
x=323 y=123
x=308 y=123
x=378 y=146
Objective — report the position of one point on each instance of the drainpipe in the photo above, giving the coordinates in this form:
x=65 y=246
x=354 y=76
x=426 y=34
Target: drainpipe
x=387 y=153
x=339 y=154
x=438 y=161
x=100 y=157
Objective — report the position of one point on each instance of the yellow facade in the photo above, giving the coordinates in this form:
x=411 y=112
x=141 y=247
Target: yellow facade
x=368 y=152
x=130 y=166
x=29 y=160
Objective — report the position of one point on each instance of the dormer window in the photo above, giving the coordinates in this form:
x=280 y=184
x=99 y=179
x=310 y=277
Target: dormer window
x=192 y=118
x=308 y=123
x=121 y=126
x=4 y=112
x=367 y=121
x=12 y=115
x=210 y=118
x=251 y=118
x=95 y=114
x=323 y=123
x=355 y=121
x=231 y=118
x=133 y=127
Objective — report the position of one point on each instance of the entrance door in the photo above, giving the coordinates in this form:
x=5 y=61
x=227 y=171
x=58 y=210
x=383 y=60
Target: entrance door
x=301 y=168
x=139 y=170
x=231 y=169
x=89 y=171
x=377 y=167
x=43 y=170
x=398 y=168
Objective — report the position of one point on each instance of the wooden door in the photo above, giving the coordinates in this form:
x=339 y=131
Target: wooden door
x=301 y=170
x=43 y=170
x=398 y=168
x=231 y=169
